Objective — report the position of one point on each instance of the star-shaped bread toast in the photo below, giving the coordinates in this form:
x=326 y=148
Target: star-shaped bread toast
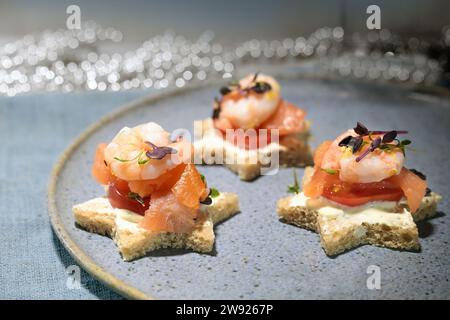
x=292 y=150
x=98 y=216
x=386 y=224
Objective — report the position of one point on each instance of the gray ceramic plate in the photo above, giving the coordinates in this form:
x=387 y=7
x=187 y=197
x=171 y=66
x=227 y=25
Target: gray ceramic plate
x=255 y=255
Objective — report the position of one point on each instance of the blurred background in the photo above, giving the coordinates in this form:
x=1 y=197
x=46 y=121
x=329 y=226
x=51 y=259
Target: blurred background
x=231 y=20
x=134 y=44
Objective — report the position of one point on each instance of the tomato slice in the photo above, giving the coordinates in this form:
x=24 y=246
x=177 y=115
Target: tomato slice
x=351 y=194
x=394 y=188
x=118 y=197
x=357 y=199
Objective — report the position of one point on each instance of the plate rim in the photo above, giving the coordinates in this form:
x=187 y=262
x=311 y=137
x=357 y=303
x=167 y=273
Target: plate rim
x=83 y=259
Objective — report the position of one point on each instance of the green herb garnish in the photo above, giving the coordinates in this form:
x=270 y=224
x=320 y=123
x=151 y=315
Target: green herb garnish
x=294 y=188
x=330 y=171
x=128 y=160
x=398 y=145
x=213 y=193
x=136 y=197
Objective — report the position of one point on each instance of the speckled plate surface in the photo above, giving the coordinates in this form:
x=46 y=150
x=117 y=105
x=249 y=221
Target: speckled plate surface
x=255 y=255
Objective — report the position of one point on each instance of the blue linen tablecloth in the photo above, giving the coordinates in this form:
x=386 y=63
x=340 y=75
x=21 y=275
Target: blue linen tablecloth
x=34 y=130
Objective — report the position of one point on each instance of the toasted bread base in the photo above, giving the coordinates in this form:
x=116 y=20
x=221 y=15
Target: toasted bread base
x=133 y=242
x=293 y=150
x=339 y=233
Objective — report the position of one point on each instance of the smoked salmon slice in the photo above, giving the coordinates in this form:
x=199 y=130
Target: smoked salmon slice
x=413 y=187
x=100 y=170
x=190 y=189
x=288 y=119
x=320 y=153
x=164 y=182
x=166 y=214
x=314 y=188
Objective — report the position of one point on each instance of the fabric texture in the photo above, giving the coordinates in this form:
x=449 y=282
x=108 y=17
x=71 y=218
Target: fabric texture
x=34 y=130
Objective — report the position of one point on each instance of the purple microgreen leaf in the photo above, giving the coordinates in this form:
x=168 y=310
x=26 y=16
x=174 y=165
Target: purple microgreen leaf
x=389 y=136
x=352 y=142
x=356 y=144
x=157 y=153
x=344 y=142
x=261 y=87
x=365 y=153
x=217 y=109
x=255 y=76
x=384 y=142
x=375 y=144
x=383 y=132
x=225 y=90
x=361 y=129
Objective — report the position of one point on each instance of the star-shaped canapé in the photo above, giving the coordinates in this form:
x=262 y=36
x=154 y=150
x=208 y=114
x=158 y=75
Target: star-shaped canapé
x=385 y=223
x=98 y=216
